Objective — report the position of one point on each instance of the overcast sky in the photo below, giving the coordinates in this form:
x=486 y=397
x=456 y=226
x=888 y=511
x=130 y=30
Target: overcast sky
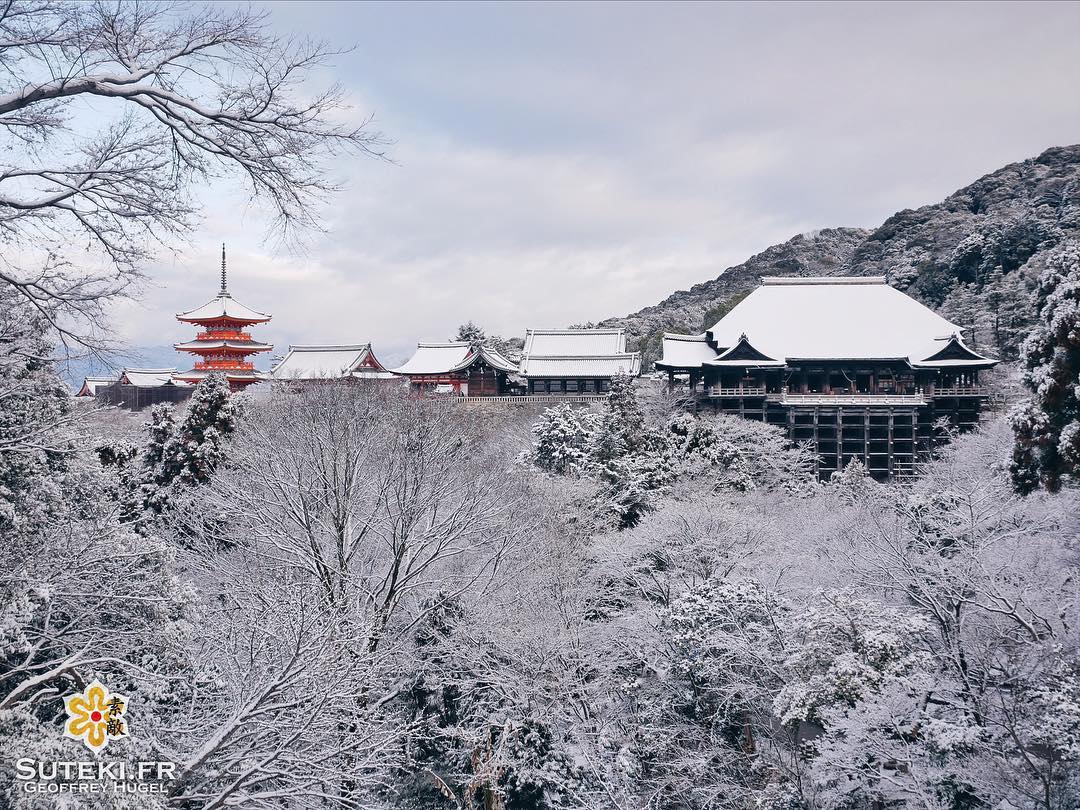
x=558 y=163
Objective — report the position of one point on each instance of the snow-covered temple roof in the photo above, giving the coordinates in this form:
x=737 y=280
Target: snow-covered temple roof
x=224 y=307
x=574 y=342
x=148 y=377
x=686 y=351
x=807 y=319
x=329 y=362
x=446 y=358
x=606 y=366
x=91 y=384
x=577 y=353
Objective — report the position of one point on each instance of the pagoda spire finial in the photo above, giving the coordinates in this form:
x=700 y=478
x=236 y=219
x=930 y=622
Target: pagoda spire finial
x=224 y=285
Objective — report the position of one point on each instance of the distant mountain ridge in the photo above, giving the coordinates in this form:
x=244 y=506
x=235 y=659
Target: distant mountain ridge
x=962 y=256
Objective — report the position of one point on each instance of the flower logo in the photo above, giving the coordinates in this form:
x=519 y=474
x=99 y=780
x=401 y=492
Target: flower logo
x=96 y=716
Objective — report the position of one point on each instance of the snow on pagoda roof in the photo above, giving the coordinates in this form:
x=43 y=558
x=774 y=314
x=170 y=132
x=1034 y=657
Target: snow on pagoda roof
x=574 y=342
x=223 y=307
x=835 y=319
x=577 y=353
x=240 y=345
x=446 y=358
x=685 y=351
x=324 y=362
x=147 y=377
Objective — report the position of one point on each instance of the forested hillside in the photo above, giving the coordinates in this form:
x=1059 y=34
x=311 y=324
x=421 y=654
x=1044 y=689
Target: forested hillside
x=974 y=256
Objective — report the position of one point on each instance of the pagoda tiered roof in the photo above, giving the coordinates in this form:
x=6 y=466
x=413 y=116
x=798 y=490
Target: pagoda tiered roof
x=224 y=346
x=223 y=308
x=229 y=344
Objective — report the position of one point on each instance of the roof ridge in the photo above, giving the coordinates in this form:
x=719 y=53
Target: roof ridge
x=794 y=281
x=306 y=347
x=602 y=330
x=581 y=356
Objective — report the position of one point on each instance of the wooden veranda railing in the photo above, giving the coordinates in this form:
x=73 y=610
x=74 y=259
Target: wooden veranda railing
x=960 y=391
x=738 y=391
x=529 y=399
x=848 y=399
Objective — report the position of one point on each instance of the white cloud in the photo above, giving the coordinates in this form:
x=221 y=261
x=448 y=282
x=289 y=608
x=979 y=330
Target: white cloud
x=562 y=163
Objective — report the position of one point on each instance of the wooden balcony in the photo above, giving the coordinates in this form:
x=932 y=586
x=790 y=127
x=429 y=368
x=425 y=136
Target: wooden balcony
x=859 y=399
x=529 y=399
x=732 y=393
x=959 y=391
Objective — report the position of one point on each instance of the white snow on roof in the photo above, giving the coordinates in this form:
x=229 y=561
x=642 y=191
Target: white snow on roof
x=148 y=377
x=577 y=353
x=834 y=318
x=602 y=366
x=320 y=362
x=371 y=374
x=686 y=351
x=445 y=358
x=92 y=384
x=224 y=306
x=435 y=358
x=574 y=342
x=248 y=345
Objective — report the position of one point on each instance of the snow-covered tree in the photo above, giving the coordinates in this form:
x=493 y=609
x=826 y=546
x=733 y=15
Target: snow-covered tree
x=563 y=438
x=197 y=445
x=187 y=93
x=1047 y=426
x=82 y=596
x=469 y=332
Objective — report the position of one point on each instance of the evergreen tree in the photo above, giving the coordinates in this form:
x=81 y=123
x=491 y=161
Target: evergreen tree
x=964 y=307
x=185 y=453
x=469 y=332
x=1007 y=311
x=35 y=409
x=564 y=435
x=197 y=446
x=1047 y=426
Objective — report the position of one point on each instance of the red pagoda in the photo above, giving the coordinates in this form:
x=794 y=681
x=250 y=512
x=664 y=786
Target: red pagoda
x=223 y=346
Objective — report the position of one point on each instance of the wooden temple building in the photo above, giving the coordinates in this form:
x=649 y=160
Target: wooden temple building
x=355 y=362
x=459 y=368
x=224 y=345
x=575 y=361
x=137 y=388
x=852 y=366
x=557 y=363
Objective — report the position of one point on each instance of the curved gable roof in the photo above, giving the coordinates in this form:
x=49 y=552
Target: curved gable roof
x=834 y=318
x=446 y=358
x=321 y=362
x=223 y=307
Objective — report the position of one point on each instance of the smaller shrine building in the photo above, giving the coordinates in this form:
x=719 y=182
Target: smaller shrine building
x=464 y=369
x=331 y=362
x=575 y=361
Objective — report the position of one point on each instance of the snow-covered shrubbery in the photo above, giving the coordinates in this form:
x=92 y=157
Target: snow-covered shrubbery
x=637 y=461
